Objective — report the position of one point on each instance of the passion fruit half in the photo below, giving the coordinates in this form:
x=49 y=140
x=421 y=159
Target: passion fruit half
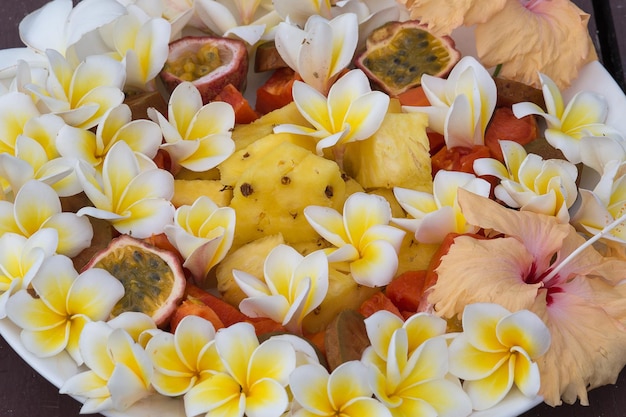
x=397 y=54
x=210 y=63
x=153 y=278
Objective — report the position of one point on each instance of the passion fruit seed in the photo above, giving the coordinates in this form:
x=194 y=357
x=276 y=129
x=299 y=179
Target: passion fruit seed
x=196 y=64
x=398 y=54
x=153 y=278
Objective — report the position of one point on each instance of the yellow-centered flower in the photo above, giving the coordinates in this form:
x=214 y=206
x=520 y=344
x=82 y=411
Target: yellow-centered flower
x=37 y=206
x=321 y=50
x=185 y=358
x=203 y=233
x=53 y=313
x=344 y=393
x=584 y=115
x=365 y=244
x=531 y=183
x=351 y=112
x=293 y=286
x=119 y=372
x=197 y=137
x=435 y=215
x=132 y=192
x=498 y=349
x=255 y=378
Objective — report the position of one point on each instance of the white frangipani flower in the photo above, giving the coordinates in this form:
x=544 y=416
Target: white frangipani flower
x=461 y=104
x=16 y=110
x=142 y=136
x=352 y=111
x=53 y=314
x=345 y=392
x=203 y=233
x=119 y=372
x=81 y=94
x=141 y=43
x=254 y=380
x=498 y=349
x=185 y=358
x=132 y=192
x=248 y=20
x=320 y=51
x=529 y=182
x=198 y=137
x=435 y=215
x=605 y=203
x=298 y=12
x=37 y=206
x=381 y=326
x=293 y=286
x=20 y=259
x=417 y=383
x=365 y=244
x=59 y=25
x=584 y=115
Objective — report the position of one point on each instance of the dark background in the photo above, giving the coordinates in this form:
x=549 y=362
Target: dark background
x=23 y=393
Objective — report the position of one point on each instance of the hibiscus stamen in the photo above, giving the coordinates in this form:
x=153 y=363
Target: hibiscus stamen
x=584 y=246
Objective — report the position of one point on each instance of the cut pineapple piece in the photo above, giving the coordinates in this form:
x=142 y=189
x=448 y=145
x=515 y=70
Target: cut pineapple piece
x=236 y=164
x=249 y=258
x=413 y=255
x=186 y=192
x=271 y=194
x=245 y=134
x=186 y=174
x=343 y=294
x=395 y=156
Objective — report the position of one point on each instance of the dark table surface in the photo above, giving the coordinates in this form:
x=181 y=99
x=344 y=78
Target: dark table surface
x=24 y=393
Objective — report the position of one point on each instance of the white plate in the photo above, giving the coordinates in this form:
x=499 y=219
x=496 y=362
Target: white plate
x=60 y=367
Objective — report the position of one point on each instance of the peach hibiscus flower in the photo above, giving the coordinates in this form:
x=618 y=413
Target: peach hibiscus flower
x=444 y=16
x=578 y=297
x=528 y=36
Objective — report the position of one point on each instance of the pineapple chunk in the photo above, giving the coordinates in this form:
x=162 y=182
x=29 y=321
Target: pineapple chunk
x=413 y=255
x=249 y=258
x=397 y=155
x=188 y=191
x=236 y=164
x=271 y=194
x=245 y=134
x=186 y=174
x=343 y=294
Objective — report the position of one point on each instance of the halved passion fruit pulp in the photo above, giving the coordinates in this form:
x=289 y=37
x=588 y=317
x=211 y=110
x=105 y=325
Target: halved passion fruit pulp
x=153 y=278
x=209 y=63
x=398 y=54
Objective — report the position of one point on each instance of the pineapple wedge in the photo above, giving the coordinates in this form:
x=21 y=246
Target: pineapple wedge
x=186 y=192
x=270 y=195
x=343 y=294
x=397 y=155
x=245 y=134
x=236 y=164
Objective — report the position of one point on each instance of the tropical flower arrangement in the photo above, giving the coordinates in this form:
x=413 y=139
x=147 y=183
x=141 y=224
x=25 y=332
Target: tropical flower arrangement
x=528 y=299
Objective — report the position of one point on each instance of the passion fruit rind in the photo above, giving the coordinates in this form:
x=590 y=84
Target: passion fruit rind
x=211 y=72
x=397 y=54
x=153 y=278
